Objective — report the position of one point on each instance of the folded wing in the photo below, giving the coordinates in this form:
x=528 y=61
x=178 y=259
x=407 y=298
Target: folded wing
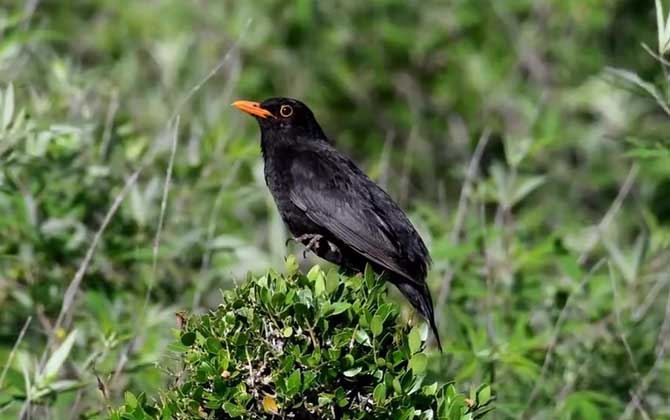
x=353 y=209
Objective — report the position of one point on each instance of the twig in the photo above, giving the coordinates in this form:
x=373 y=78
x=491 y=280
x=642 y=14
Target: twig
x=211 y=230
x=459 y=220
x=29 y=11
x=554 y=338
x=121 y=363
x=161 y=216
x=73 y=287
x=619 y=328
x=211 y=73
x=109 y=121
x=638 y=406
x=660 y=350
x=611 y=212
x=641 y=310
x=174 y=122
x=16 y=346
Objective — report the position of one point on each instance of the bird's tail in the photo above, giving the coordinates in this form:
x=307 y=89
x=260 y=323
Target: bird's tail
x=423 y=302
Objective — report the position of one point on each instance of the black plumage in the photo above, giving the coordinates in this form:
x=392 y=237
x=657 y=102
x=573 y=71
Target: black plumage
x=332 y=207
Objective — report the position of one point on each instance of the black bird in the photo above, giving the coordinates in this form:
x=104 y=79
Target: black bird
x=332 y=207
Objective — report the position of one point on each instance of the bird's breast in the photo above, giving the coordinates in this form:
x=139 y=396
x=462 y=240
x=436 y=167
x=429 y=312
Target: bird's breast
x=278 y=180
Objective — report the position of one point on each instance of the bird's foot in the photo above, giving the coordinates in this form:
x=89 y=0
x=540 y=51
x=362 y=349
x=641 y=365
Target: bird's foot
x=312 y=240
x=312 y=245
x=299 y=239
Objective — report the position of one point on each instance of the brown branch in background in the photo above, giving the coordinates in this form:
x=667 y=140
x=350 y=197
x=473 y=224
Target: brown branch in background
x=619 y=326
x=109 y=123
x=463 y=201
x=161 y=217
x=73 y=287
x=611 y=212
x=554 y=338
x=660 y=351
x=14 y=348
x=211 y=230
x=173 y=121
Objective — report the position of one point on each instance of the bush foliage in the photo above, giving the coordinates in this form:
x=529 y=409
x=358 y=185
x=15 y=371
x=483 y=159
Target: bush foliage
x=527 y=141
x=318 y=346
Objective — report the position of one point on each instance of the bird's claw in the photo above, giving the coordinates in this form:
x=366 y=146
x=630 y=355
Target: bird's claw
x=312 y=245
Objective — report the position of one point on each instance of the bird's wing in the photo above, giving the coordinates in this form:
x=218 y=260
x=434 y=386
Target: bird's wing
x=335 y=195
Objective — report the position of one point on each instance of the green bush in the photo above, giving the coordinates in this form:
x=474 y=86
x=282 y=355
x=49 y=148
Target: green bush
x=318 y=346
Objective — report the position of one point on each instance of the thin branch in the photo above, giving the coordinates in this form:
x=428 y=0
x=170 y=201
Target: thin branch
x=554 y=338
x=638 y=406
x=660 y=351
x=161 y=216
x=14 y=348
x=109 y=122
x=619 y=327
x=463 y=201
x=212 y=72
x=174 y=122
x=211 y=230
x=73 y=287
x=625 y=189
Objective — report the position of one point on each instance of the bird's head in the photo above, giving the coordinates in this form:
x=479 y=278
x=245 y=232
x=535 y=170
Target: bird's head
x=286 y=117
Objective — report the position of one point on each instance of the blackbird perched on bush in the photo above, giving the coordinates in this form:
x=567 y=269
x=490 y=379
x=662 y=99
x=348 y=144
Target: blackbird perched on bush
x=332 y=207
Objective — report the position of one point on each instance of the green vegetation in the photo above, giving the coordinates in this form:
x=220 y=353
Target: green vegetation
x=316 y=346
x=526 y=139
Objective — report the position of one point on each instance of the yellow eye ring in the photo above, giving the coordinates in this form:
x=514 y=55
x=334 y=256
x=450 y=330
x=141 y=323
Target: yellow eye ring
x=286 y=111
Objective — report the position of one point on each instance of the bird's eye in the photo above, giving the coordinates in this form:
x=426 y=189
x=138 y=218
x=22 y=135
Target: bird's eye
x=286 y=111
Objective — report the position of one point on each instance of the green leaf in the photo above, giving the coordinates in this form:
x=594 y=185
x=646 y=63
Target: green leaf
x=314 y=273
x=396 y=385
x=362 y=337
x=418 y=363
x=484 y=394
x=58 y=357
x=635 y=79
x=8 y=107
x=525 y=187
x=319 y=285
x=352 y=372
x=188 y=338
x=376 y=325
x=291 y=265
x=336 y=308
x=293 y=382
x=213 y=345
x=332 y=281
x=414 y=339
x=325 y=399
x=130 y=399
x=430 y=389
x=233 y=410
x=379 y=393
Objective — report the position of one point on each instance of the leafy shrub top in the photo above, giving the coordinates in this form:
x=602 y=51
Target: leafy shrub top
x=318 y=346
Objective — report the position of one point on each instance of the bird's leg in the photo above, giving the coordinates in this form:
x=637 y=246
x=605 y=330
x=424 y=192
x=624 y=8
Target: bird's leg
x=299 y=239
x=312 y=240
x=312 y=245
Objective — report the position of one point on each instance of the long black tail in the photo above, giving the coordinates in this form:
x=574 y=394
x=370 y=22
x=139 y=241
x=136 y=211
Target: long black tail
x=422 y=301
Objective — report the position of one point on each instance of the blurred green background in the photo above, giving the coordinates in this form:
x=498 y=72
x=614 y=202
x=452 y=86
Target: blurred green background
x=539 y=179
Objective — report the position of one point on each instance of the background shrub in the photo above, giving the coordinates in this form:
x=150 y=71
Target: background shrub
x=527 y=140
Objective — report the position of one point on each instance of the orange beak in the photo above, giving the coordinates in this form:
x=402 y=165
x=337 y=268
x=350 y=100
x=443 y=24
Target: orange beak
x=252 y=108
